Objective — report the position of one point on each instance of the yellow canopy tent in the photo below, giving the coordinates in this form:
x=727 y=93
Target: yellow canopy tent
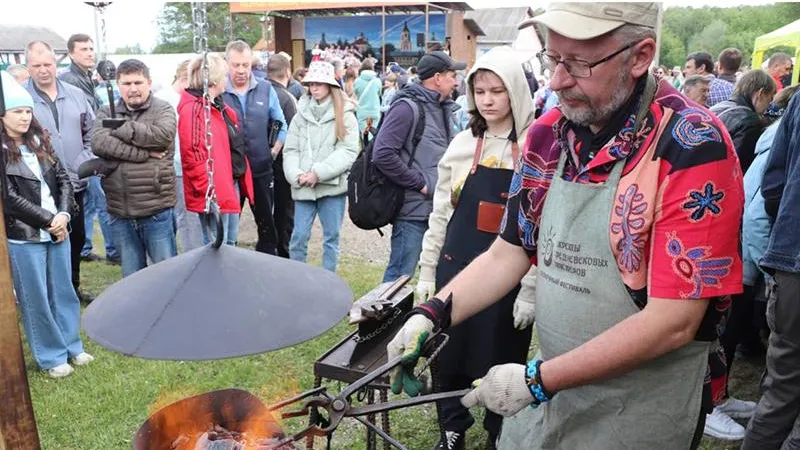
x=789 y=36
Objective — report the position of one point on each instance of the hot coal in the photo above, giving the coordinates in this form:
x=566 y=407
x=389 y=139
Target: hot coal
x=219 y=438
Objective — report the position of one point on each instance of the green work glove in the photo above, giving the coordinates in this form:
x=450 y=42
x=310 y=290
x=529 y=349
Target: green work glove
x=408 y=342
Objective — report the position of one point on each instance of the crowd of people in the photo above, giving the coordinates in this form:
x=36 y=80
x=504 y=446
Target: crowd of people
x=637 y=193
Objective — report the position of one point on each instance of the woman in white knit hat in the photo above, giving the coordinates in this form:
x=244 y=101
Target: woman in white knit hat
x=38 y=203
x=321 y=145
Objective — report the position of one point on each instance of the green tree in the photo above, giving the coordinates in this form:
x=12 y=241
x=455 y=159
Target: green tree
x=176 y=33
x=712 y=39
x=135 y=49
x=713 y=29
x=673 y=52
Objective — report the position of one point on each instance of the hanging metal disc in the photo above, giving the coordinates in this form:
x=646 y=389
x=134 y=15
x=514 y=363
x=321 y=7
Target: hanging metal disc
x=213 y=303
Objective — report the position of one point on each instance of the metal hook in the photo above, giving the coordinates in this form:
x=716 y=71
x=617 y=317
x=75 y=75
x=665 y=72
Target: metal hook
x=214 y=215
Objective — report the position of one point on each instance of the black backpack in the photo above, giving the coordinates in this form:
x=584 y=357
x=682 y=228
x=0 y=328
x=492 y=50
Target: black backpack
x=373 y=200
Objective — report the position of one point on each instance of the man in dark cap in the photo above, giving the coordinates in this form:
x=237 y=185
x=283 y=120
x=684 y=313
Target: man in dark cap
x=428 y=100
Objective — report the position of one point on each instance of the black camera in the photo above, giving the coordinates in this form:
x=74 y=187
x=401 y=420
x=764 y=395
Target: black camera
x=108 y=72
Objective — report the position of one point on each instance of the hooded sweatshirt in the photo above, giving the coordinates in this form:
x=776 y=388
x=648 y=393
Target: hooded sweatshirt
x=456 y=163
x=368 y=94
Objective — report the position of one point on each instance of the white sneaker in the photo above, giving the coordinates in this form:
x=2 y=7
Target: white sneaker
x=64 y=370
x=737 y=409
x=82 y=359
x=721 y=426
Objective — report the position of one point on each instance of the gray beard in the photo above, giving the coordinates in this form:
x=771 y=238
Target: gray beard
x=591 y=115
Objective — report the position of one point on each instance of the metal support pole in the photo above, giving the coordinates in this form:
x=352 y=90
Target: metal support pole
x=230 y=30
x=383 y=37
x=427 y=27
x=659 y=24
x=17 y=422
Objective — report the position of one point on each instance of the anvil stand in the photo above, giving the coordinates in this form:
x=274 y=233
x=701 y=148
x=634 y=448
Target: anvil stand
x=379 y=314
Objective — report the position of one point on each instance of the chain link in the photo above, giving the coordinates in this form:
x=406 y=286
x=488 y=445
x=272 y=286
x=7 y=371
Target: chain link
x=200 y=44
x=104 y=45
x=371 y=335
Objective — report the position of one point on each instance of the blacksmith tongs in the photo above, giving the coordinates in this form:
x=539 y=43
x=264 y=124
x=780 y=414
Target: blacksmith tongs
x=340 y=406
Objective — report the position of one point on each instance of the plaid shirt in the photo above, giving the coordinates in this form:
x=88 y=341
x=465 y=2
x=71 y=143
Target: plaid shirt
x=719 y=90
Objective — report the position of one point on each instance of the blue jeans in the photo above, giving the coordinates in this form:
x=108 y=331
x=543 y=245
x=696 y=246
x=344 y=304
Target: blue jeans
x=331 y=215
x=152 y=236
x=230 y=227
x=406 y=246
x=95 y=204
x=51 y=313
x=186 y=222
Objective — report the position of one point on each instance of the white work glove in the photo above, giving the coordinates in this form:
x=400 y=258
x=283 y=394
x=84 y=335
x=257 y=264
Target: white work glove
x=503 y=390
x=525 y=303
x=408 y=342
x=524 y=311
x=425 y=290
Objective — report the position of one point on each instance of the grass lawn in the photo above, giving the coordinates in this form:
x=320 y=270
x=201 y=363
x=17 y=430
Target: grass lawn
x=102 y=405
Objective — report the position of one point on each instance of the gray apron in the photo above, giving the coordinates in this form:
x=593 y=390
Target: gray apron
x=579 y=295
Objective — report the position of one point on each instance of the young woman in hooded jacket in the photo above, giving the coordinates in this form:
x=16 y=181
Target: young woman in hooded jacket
x=38 y=200
x=232 y=178
x=474 y=178
x=321 y=145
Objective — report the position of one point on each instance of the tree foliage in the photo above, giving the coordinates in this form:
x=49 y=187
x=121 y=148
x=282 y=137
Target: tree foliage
x=176 y=32
x=712 y=29
x=135 y=49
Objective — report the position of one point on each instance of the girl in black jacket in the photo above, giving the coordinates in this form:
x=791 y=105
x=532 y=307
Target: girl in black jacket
x=37 y=203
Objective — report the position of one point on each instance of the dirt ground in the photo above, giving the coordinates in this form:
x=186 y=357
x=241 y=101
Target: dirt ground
x=367 y=246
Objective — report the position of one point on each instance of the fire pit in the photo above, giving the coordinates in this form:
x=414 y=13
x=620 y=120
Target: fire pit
x=233 y=419
x=229 y=419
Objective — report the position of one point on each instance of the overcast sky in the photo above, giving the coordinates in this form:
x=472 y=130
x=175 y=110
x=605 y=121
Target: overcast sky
x=129 y=22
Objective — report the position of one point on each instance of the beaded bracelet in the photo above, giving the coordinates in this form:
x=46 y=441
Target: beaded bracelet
x=533 y=379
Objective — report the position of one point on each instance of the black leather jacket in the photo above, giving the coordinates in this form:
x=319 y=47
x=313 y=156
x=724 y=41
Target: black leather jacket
x=24 y=214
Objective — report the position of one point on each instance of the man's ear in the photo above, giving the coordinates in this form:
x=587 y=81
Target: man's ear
x=643 y=54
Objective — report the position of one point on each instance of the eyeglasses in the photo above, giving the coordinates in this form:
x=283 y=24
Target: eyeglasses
x=576 y=68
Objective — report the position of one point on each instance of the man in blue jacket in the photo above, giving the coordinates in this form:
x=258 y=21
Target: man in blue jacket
x=256 y=105
x=775 y=423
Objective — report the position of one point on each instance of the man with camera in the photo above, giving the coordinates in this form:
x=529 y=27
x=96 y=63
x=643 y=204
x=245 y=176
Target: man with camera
x=63 y=111
x=260 y=115
x=139 y=178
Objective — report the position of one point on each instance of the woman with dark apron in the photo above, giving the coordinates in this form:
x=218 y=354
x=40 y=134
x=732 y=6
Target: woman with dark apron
x=474 y=178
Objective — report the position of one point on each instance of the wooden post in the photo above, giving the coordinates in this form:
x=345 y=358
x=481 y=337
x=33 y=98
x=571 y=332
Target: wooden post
x=17 y=423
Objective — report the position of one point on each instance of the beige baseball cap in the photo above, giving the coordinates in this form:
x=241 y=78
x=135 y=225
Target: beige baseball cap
x=583 y=21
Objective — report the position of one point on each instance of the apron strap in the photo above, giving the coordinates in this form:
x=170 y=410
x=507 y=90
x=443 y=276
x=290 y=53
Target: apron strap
x=515 y=154
x=477 y=158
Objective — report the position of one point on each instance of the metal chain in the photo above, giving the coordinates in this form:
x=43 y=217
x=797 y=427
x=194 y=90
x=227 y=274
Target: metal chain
x=103 y=45
x=380 y=329
x=100 y=7
x=200 y=44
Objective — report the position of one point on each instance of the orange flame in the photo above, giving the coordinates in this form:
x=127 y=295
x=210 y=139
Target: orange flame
x=182 y=424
